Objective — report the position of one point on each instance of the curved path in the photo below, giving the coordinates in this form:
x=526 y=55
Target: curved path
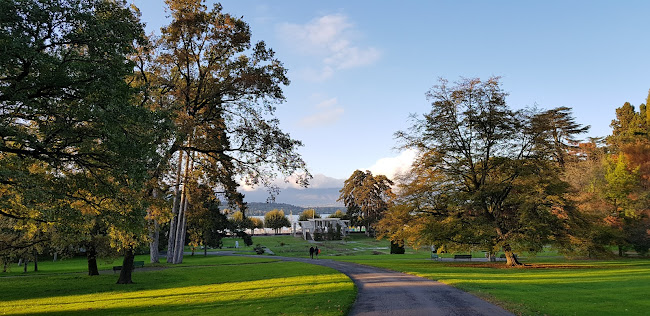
x=385 y=292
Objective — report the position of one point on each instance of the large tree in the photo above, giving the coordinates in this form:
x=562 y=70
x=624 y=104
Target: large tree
x=484 y=177
x=307 y=214
x=275 y=219
x=71 y=125
x=626 y=181
x=223 y=91
x=367 y=197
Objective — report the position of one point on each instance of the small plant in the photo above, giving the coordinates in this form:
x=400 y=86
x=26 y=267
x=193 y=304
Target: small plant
x=259 y=249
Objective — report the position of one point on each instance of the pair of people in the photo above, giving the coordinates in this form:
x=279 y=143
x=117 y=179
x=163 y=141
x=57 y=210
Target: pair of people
x=314 y=251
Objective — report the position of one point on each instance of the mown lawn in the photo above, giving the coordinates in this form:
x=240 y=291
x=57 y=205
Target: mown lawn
x=551 y=286
x=210 y=285
x=561 y=287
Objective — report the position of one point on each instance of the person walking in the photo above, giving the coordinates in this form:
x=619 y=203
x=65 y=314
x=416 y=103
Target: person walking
x=311 y=252
x=316 y=252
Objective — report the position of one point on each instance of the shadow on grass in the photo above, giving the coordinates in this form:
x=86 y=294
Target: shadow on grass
x=261 y=289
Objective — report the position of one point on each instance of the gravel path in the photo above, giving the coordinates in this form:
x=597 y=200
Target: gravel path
x=385 y=292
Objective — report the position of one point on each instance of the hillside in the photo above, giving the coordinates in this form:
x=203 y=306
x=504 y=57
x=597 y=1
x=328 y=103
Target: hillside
x=259 y=209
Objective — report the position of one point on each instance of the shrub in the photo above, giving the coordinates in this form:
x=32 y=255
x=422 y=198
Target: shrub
x=258 y=249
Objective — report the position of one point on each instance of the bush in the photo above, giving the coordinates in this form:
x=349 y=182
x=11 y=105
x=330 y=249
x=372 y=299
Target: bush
x=258 y=249
x=248 y=240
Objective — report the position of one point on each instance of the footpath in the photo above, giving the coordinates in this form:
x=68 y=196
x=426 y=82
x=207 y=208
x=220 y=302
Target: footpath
x=385 y=292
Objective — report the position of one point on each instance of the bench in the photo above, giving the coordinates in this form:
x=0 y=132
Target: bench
x=463 y=257
x=136 y=264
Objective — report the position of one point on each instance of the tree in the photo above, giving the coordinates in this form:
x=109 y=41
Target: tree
x=626 y=181
x=257 y=223
x=307 y=214
x=275 y=220
x=366 y=197
x=223 y=91
x=240 y=221
x=338 y=214
x=490 y=185
x=556 y=134
x=206 y=224
x=71 y=124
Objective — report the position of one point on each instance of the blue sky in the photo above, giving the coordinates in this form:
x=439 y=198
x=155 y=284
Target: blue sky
x=359 y=68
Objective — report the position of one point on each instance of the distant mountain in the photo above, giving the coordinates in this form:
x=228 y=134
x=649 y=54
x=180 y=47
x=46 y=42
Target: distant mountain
x=306 y=198
x=259 y=209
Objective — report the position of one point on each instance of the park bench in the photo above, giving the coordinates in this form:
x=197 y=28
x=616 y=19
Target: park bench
x=463 y=257
x=136 y=264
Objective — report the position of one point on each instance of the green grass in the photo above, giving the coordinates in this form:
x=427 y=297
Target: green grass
x=289 y=246
x=201 y=285
x=264 y=286
x=559 y=288
x=556 y=287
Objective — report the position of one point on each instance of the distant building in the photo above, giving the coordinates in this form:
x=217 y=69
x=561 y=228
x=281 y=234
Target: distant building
x=323 y=226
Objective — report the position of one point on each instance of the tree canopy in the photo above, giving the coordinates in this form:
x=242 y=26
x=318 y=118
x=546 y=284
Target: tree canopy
x=485 y=176
x=367 y=197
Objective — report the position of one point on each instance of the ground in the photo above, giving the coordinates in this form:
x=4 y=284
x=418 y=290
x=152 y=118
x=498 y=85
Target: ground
x=555 y=286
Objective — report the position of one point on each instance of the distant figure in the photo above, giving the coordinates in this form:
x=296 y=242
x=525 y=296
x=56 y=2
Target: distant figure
x=316 y=251
x=311 y=252
x=236 y=244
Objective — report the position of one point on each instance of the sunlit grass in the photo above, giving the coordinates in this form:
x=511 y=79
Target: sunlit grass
x=613 y=287
x=269 y=288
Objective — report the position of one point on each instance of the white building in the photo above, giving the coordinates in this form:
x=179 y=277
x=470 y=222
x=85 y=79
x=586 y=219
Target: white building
x=323 y=226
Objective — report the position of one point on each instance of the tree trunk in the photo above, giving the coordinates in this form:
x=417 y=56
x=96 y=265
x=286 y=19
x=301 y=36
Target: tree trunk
x=180 y=242
x=171 y=242
x=205 y=250
x=154 y=233
x=182 y=217
x=511 y=258
x=127 y=267
x=620 y=251
x=25 y=261
x=91 y=256
x=35 y=261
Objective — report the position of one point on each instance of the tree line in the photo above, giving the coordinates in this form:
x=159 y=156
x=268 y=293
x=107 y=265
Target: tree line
x=493 y=178
x=108 y=136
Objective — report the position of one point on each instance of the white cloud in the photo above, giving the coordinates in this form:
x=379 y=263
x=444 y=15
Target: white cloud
x=319 y=181
x=327 y=113
x=330 y=38
x=393 y=166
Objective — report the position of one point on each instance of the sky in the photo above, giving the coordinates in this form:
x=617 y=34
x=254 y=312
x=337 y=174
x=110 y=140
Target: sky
x=358 y=69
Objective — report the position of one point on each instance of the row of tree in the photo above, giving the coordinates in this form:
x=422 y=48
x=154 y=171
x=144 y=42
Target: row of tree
x=494 y=178
x=107 y=134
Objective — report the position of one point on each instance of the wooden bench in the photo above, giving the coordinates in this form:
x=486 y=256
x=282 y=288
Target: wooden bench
x=463 y=257
x=136 y=264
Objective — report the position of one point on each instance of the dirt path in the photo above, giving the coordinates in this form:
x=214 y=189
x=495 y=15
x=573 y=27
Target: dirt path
x=385 y=292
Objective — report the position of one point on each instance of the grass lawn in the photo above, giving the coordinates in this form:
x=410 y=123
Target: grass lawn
x=562 y=287
x=289 y=246
x=201 y=285
x=556 y=286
